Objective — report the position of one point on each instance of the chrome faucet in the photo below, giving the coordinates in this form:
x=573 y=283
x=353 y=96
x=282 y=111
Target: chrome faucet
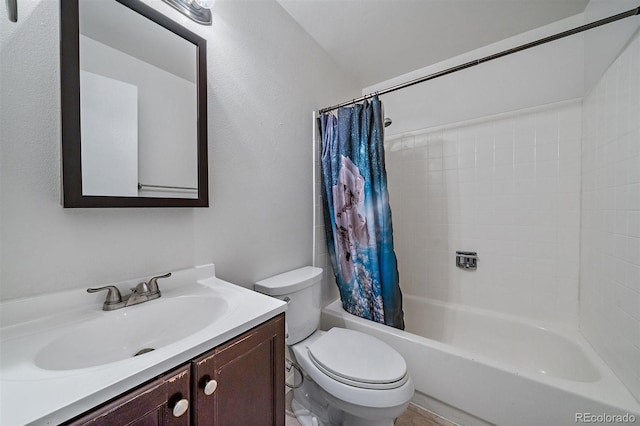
x=143 y=292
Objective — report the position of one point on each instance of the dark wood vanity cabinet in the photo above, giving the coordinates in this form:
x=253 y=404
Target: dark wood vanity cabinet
x=150 y=405
x=240 y=382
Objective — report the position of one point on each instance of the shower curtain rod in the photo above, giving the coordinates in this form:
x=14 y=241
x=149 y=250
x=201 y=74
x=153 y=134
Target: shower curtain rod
x=475 y=62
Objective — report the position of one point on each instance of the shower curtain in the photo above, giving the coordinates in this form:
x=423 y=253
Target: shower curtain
x=357 y=214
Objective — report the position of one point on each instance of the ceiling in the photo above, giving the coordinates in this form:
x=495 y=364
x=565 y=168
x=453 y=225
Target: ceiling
x=376 y=40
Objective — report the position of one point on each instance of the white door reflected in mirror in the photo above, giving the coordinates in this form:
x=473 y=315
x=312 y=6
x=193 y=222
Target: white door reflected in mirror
x=109 y=131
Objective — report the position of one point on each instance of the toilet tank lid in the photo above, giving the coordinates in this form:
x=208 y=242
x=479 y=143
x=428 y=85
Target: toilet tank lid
x=289 y=282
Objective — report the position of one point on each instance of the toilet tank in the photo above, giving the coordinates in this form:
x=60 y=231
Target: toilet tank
x=301 y=290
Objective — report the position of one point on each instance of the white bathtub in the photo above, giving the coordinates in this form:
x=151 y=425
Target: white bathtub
x=480 y=367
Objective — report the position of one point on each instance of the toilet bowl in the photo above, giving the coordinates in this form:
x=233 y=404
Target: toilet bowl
x=375 y=398
x=350 y=378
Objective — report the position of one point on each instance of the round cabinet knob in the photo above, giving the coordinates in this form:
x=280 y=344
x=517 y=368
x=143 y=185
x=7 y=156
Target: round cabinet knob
x=180 y=408
x=210 y=387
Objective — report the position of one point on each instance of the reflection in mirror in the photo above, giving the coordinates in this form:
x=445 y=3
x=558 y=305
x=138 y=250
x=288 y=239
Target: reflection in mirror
x=123 y=72
x=142 y=89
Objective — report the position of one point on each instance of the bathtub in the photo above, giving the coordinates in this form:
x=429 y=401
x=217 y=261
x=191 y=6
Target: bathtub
x=477 y=367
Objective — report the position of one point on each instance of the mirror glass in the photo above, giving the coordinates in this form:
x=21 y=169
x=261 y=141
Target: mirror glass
x=140 y=91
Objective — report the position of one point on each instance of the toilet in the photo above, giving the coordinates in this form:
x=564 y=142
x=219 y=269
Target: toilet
x=349 y=378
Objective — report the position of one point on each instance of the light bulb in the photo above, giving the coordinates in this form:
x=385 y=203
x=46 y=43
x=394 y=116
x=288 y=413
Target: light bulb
x=207 y=4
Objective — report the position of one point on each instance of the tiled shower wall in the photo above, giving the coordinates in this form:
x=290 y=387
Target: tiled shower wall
x=610 y=256
x=507 y=187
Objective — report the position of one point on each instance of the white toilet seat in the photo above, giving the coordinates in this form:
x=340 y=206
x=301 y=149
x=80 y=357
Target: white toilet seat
x=398 y=392
x=358 y=359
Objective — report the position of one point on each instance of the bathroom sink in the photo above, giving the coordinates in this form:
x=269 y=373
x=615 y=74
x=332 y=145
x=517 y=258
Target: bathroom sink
x=129 y=332
x=61 y=354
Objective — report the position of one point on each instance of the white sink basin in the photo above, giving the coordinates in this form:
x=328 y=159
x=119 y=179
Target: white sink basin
x=123 y=333
x=61 y=354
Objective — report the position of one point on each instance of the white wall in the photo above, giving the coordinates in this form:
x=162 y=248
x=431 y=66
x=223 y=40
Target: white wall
x=610 y=248
x=604 y=44
x=549 y=73
x=265 y=75
x=505 y=186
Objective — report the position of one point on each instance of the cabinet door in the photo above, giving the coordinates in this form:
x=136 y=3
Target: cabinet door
x=164 y=401
x=241 y=383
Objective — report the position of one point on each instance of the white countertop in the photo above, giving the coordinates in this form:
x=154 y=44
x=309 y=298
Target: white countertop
x=33 y=395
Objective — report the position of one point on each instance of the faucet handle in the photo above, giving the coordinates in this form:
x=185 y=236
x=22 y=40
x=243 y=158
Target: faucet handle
x=113 y=295
x=141 y=288
x=153 y=283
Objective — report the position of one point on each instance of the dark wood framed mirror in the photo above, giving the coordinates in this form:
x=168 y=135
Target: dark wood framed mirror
x=134 y=107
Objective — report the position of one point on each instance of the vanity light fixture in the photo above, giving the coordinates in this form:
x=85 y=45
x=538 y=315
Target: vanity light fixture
x=197 y=10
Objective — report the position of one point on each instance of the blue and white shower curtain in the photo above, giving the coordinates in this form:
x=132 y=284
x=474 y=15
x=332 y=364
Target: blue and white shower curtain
x=357 y=214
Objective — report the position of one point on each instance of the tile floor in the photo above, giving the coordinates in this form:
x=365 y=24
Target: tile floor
x=414 y=416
